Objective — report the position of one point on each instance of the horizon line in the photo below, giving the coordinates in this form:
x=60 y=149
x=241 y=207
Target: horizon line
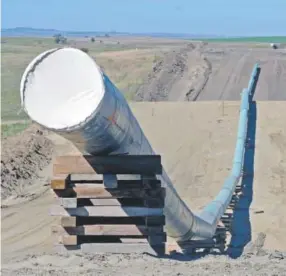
x=139 y=33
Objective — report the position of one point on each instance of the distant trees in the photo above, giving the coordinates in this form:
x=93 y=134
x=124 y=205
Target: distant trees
x=92 y=39
x=60 y=39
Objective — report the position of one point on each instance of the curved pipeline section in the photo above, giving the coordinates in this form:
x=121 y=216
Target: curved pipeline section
x=65 y=91
x=215 y=209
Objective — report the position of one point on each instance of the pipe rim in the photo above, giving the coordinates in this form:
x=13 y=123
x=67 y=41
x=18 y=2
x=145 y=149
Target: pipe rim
x=62 y=88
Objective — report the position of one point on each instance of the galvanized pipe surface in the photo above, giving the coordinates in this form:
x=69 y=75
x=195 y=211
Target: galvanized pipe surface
x=111 y=128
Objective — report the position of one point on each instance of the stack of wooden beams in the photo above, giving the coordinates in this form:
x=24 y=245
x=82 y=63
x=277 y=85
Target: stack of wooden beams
x=109 y=204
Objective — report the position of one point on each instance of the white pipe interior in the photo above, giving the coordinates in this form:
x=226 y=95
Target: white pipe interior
x=63 y=90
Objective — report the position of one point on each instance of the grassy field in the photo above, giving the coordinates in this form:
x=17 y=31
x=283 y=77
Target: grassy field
x=127 y=65
x=254 y=39
x=11 y=129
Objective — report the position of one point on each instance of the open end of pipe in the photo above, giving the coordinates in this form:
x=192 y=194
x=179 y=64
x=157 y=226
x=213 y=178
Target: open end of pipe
x=61 y=88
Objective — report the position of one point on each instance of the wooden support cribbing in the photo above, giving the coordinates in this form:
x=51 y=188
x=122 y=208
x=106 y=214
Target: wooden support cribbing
x=109 y=204
x=144 y=221
x=73 y=202
x=59 y=183
x=68 y=240
x=93 y=191
x=139 y=246
x=106 y=211
x=120 y=164
x=77 y=239
x=108 y=230
x=116 y=248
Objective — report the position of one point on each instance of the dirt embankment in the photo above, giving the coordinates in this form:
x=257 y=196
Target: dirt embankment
x=179 y=76
x=23 y=158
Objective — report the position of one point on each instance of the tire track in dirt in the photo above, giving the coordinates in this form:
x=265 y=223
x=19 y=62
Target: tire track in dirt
x=17 y=240
x=198 y=91
x=224 y=80
x=272 y=83
x=232 y=69
x=233 y=76
x=180 y=76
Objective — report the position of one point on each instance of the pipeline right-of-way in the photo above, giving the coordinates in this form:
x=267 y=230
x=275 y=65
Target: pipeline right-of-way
x=65 y=91
x=215 y=209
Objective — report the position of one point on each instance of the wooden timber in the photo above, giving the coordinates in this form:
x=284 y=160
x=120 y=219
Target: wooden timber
x=109 y=204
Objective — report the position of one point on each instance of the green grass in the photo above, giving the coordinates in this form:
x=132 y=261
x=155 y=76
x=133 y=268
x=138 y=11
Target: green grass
x=255 y=39
x=126 y=71
x=11 y=129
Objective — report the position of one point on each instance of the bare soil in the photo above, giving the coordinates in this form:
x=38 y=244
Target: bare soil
x=232 y=67
x=23 y=158
x=179 y=76
x=129 y=265
x=196 y=141
x=202 y=71
x=197 y=156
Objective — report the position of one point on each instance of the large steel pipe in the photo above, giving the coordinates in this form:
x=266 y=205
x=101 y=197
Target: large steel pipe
x=64 y=90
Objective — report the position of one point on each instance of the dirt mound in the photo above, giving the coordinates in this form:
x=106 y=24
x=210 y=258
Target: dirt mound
x=174 y=77
x=165 y=73
x=23 y=157
x=205 y=71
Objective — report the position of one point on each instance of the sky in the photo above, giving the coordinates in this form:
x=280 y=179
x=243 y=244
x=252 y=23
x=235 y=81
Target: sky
x=204 y=17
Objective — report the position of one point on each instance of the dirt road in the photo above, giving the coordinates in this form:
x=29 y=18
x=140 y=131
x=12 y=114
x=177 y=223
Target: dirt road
x=231 y=70
x=216 y=72
x=197 y=156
